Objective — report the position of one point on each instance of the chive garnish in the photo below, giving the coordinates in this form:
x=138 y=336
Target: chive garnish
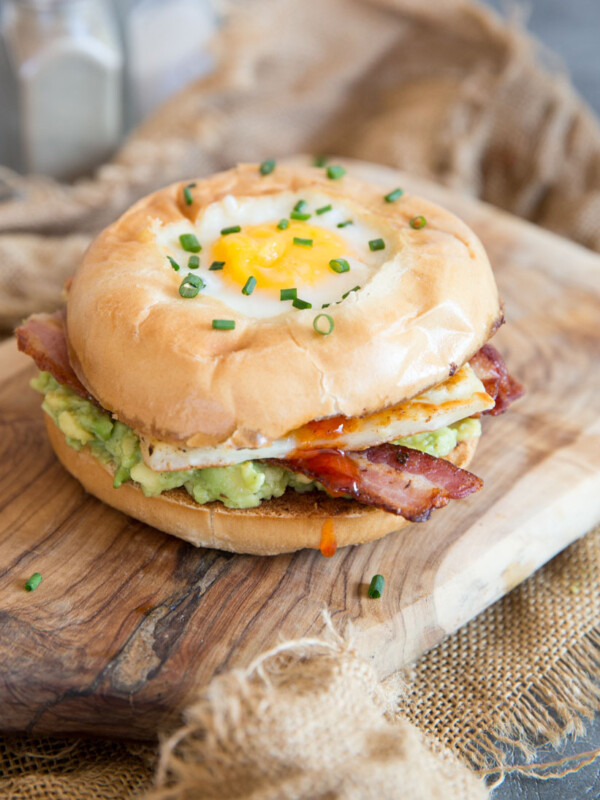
x=249 y=286
x=223 y=324
x=334 y=173
x=297 y=303
x=354 y=289
x=267 y=167
x=283 y=224
x=288 y=294
x=391 y=197
x=301 y=206
x=323 y=209
x=191 y=285
x=345 y=223
x=376 y=586
x=231 y=229
x=190 y=243
x=299 y=215
x=339 y=265
x=216 y=265
x=303 y=242
x=376 y=244
x=187 y=194
x=33 y=582
x=418 y=222
x=174 y=264
x=320 y=161
x=324 y=328
x=193 y=262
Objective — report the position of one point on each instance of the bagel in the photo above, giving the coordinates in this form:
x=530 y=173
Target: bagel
x=239 y=351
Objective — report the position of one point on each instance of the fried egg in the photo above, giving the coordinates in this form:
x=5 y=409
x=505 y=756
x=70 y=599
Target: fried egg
x=244 y=238
x=460 y=396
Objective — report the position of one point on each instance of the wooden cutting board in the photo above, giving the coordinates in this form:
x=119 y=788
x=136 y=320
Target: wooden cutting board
x=128 y=620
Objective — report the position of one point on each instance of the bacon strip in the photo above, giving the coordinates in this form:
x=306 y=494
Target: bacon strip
x=397 y=479
x=44 y=338
x=491 y=370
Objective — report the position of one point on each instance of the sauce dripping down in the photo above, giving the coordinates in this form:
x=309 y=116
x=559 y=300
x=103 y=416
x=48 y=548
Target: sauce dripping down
x=328 y=540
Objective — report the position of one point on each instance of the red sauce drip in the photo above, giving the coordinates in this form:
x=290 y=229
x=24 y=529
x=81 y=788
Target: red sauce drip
x=333 y=468
x=323 y=429
x=328 y=540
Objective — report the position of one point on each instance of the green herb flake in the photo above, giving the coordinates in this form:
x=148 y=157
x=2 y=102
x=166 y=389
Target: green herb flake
x=216 y=265
x=345 y=223
x=230 y=229
x=174 y=264
x=354 y=289
x=336 y=172
x=223 y=324
x=187 y=194
x=339 y=265
x=297 y=303
x=267 y=167
x=391 y=197
x=32 y=583
x=193 y=262
x=191 y=285
x=283 y=224
x=300 y=215
x=323 y=324
x=320 y=161
x=323 y=209
x=190 y=243
x=418 y=222
x=303 y=242
x=376 y=586
x=288 y=294
x=249 y=286
x=376 y=244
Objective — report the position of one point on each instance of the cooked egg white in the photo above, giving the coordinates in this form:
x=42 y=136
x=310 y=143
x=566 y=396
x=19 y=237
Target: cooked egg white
x=462 y=395
x=270 y=253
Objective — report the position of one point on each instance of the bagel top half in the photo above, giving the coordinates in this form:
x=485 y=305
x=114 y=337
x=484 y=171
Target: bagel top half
x=422 y=305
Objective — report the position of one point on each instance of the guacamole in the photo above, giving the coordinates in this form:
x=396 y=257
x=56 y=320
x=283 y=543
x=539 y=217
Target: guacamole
x=238 y=486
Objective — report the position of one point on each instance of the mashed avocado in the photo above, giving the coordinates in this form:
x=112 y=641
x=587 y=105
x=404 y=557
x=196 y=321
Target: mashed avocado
x=238 y=486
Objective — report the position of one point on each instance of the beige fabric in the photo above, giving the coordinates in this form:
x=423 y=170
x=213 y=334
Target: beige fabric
x=445 y=90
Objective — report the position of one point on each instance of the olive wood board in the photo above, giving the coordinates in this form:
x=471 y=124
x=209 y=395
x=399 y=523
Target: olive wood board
x=127 y=620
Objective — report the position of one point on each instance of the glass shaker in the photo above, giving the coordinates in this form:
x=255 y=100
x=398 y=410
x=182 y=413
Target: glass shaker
x=67 y=60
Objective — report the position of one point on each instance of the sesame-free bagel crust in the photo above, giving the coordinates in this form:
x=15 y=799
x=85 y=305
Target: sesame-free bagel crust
x=282 y=525
x=152 y=358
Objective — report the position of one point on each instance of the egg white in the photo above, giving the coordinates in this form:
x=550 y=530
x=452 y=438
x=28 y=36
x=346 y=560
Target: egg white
x=249 y=211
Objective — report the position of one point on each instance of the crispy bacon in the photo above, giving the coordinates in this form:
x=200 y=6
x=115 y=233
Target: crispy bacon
x=491 y=370
x=44 y=338
x=397 y=479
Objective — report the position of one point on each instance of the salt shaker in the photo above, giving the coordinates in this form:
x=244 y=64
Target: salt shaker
x=67 y=60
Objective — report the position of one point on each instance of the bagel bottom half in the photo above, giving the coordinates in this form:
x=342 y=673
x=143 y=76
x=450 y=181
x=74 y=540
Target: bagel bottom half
x=281 y=525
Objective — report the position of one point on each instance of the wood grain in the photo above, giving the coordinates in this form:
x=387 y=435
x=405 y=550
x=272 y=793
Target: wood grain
x=127 y=620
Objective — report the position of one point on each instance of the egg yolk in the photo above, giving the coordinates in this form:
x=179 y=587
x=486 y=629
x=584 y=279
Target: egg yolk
x=272 y=257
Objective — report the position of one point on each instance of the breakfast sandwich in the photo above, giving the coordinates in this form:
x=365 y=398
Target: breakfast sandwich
x=274 y=358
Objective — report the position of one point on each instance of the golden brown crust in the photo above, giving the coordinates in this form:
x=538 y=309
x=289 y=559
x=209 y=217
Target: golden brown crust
x=291 y=522
x=152 y=358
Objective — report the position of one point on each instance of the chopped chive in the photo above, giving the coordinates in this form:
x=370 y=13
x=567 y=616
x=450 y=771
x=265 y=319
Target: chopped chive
x=303 y=242
x=299 y=215
x=324 y=328
x=345 y=223
x=216 y=265
x=174 y=264
x=231 y=229
x=325 y=305
x=324 y=209
x=288 y=294
x=193 y=262
x=334 y=173
x=301 y=206
x=376 y=244
x=418 y=222
x=339 y=265
x=283 y=224
x=187 y=194
x=354 y=289
x=223 y=324
x=190 y=243
x=320 y=161
x=297 y=303
x=391 y=197
x=191 y=285
x=267 y=167
x=376 y=586
x=33 y=582
x=249 y=286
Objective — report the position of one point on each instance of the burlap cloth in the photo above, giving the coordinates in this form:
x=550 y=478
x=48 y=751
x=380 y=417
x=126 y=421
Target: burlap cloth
x=449 y=91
